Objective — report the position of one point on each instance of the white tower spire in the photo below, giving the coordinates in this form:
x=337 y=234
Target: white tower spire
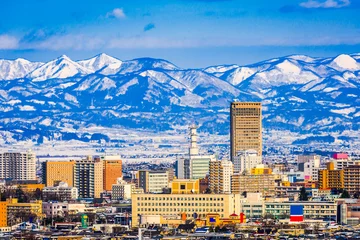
x=194 y=150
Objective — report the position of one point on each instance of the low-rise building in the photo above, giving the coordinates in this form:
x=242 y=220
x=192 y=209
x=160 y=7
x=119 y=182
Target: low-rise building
x=60 y=193
x=185 y=186
x=184 y=205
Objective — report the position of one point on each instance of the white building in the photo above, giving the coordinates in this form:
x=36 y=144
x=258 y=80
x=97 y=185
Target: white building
x=18 y=166
x=122 y=190
x=61 y=209
x=62 y=192
x=195 y=166
x=153 y=181
x=246 y=160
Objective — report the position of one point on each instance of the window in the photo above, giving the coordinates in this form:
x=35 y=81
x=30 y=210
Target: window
x=182 y=187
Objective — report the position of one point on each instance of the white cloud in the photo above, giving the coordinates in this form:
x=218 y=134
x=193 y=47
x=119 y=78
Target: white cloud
x=8 y=42
x=325 y=4
x=69 y=41
x=116 y=13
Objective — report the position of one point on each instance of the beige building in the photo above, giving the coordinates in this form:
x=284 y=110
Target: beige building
x=58 y=171
x=153 y=181
x=263 y=183
x=185 y=186
x=186 y=205
x=18 y=166
x=352 y=179
x=245 y=127
x=89 y=177
x=220 y=173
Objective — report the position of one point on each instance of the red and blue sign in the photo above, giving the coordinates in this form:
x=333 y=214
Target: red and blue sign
x=296 y=213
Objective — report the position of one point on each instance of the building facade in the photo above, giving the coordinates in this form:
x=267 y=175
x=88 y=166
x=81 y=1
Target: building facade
x=245 y=127
x=153 y=181
x=62 y=192
x=89 y=177
x=55 y=172
x=330 y=178
x=220 y=173
x=264 y=184
x=184 y=205
x=244 y=161
x=352 y=179
x=185 y=186
x=112 y=171
x=18 y=166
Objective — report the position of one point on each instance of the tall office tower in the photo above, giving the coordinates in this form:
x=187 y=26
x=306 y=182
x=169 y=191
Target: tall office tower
x=245 y=127
x=112 y=171
x=18 y=166
x=193 y=150
x=55 y=172
x=153 y=181
x=89 y=177
x=220 y=176
x=244 y=161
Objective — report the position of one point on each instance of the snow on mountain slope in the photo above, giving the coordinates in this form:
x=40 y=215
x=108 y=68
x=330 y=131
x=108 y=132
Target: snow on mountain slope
x=99 y=61
x=300 y=94
x=344 y=62
x=17 y=68
x=62 y=67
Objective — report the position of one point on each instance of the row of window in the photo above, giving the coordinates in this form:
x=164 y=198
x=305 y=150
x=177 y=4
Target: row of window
x=179 y=199
x=182 y=204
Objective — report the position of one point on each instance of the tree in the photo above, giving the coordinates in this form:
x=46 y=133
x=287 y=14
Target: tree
x=345 y=194
x=303 y=195
x=208 y=191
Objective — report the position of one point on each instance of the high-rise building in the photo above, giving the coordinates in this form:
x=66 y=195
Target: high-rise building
x=89 y=177
x=352 y=179
x=244 y=161
x=182 y=167
x=330 y=178
x=18 y=166
x=55 y=172
x=245 y=127
x=220 y=173
x=112 y=171
x=264 y=183
x=153 y=181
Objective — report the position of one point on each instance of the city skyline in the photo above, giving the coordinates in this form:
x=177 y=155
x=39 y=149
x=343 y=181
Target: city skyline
x=190 y=33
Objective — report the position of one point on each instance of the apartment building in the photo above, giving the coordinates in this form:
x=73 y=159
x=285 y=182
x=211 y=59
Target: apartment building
x=220 y=173
x=18 y=166
x=330 y=178
x=89 y=177
x=352 y=179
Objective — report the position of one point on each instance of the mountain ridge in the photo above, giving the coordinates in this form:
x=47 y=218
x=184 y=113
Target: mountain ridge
x=299 y=93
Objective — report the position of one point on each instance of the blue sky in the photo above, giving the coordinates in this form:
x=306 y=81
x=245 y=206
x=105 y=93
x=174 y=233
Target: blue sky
x=190 y=33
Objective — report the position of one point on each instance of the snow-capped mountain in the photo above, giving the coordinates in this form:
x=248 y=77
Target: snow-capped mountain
x=18 y=68
x=100 y=61
x=300 y=94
